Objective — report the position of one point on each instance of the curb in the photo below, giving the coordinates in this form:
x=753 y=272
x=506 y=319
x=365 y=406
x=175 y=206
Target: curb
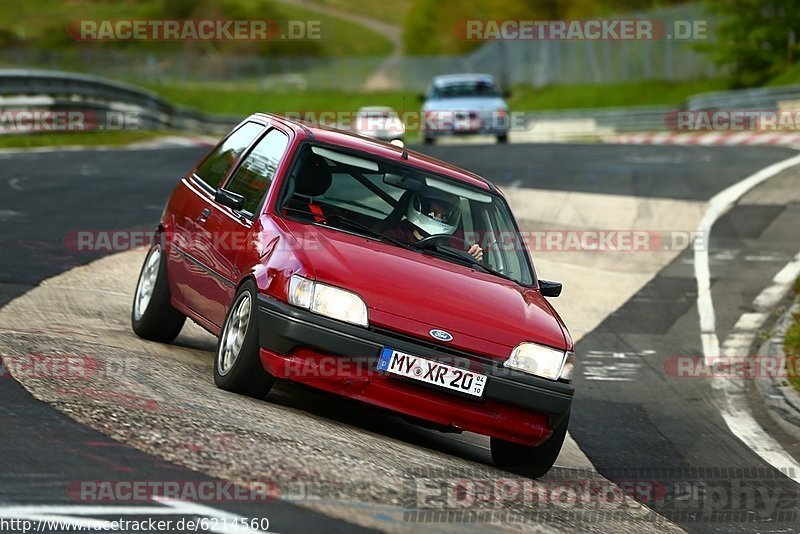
x=780 y=397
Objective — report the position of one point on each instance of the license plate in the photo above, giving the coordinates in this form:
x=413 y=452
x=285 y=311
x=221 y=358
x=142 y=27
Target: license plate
x=431 y=372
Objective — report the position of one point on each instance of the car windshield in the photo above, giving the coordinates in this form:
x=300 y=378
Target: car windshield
x=406 y=206
x=470 y=88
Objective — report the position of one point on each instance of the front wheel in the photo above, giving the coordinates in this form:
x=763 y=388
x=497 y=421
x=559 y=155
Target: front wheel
x=237 y=366
x=526 y=460
x=152 y=314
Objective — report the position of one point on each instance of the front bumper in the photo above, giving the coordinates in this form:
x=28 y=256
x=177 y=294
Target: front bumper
x=328 y=354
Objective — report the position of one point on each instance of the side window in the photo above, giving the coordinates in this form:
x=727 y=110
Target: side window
x=254 y=176
x=219 y=162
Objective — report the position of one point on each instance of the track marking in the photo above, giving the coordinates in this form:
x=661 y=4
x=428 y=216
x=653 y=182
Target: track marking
x=735 y=410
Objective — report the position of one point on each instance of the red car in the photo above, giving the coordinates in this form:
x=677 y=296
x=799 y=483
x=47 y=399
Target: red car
x=366 y=270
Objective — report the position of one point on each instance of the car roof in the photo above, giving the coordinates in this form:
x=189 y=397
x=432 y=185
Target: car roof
x=374 y=108
x=353 y=141
x=448 y=79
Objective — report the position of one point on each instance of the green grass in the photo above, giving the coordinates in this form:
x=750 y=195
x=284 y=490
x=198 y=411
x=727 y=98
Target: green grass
x=790 y=76
x=43 y=23
x=76 y=139
x=648 y=93
x=791 y=347
x=246 y=101
x=791 y=344
x=393 y=12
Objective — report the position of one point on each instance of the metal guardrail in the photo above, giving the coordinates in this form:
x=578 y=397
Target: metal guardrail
x=71 y=91
x=761 y=98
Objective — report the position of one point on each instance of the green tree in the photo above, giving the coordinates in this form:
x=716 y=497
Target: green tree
x=756 y=39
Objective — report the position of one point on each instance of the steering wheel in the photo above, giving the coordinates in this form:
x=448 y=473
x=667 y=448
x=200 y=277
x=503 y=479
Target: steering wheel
x=441 y=237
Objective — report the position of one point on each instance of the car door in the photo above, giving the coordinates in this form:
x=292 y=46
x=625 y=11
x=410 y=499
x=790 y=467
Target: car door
x=195 y=277
x=231 y=232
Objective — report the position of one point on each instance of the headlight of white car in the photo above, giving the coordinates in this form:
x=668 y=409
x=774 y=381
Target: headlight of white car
x=327 y=300
x=542 y=361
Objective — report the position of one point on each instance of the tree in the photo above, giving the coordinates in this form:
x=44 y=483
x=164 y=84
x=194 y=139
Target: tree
x=756 y=39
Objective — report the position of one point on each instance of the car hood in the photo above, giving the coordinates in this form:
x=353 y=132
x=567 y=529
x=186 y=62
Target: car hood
x=481 y=104
x=414 y=293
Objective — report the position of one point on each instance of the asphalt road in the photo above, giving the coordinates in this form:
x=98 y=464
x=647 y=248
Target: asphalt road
x=651 y=423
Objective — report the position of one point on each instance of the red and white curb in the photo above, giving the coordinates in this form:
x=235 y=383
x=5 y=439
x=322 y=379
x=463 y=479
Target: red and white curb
x=705 y=139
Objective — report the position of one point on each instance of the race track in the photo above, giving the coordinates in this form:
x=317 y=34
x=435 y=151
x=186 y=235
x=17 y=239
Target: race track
x=342 y=465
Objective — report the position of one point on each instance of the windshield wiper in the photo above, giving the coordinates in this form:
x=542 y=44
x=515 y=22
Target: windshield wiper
x=370 y=232
x=467 y=258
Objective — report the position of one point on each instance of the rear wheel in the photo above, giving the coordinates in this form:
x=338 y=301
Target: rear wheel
x=526 y=460
x=152 y=314
x=237 y=366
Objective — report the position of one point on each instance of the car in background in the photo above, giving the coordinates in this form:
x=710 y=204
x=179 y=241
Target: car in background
x=465 y=104
x=379 y=122
x=279 y=243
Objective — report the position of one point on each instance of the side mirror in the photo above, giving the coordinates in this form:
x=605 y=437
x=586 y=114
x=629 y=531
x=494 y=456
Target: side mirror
x=227 y=198
x=421 y=97
x=550 y=289
x=506 y=94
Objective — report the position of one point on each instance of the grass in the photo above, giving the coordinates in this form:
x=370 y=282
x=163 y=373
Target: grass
x=76 y=138
x=393 y=12
x=649 y=93
x=791 y=344
x=790 y=76
x=43 y=23
x=245 y=101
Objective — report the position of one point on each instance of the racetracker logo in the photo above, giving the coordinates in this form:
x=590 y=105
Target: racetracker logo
x=732 y=367
x=733 y=120
x=26 y=121
x=182 y=490
x=194 y=30
x=580 y=30
x=532 y=240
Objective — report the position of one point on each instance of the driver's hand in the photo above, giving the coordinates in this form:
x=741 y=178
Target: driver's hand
x=476 y=251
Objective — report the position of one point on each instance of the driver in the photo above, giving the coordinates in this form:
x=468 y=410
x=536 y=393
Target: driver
x=434 y=212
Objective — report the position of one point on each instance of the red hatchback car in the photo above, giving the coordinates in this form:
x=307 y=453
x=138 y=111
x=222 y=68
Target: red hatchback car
x=369 y=271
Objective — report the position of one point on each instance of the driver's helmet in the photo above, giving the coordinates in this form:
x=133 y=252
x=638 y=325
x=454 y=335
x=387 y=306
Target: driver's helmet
x=434 y=211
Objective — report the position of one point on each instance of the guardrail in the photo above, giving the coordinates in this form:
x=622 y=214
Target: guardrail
x=57 y=91
x=761 y=98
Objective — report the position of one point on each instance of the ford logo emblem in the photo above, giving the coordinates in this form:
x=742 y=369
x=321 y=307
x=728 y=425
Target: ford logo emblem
x=441 y=335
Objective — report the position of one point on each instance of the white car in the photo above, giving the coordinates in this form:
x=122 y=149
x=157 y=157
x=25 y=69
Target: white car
x=379 y=122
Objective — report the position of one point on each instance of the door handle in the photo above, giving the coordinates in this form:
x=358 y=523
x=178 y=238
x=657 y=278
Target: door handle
x=204 y=215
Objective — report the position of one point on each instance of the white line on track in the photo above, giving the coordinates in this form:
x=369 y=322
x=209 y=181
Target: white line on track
x=735 y=410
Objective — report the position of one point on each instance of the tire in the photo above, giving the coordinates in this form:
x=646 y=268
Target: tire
x=237 y=367
x=502 y=138
x=152 y=314
x=428 y=140
x=529 y=461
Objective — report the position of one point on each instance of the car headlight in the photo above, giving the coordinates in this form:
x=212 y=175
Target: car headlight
x=327 y=300
x=542 y=361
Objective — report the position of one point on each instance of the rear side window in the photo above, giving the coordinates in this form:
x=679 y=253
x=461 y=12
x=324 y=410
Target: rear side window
x=254 y=176
x=217 y=165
